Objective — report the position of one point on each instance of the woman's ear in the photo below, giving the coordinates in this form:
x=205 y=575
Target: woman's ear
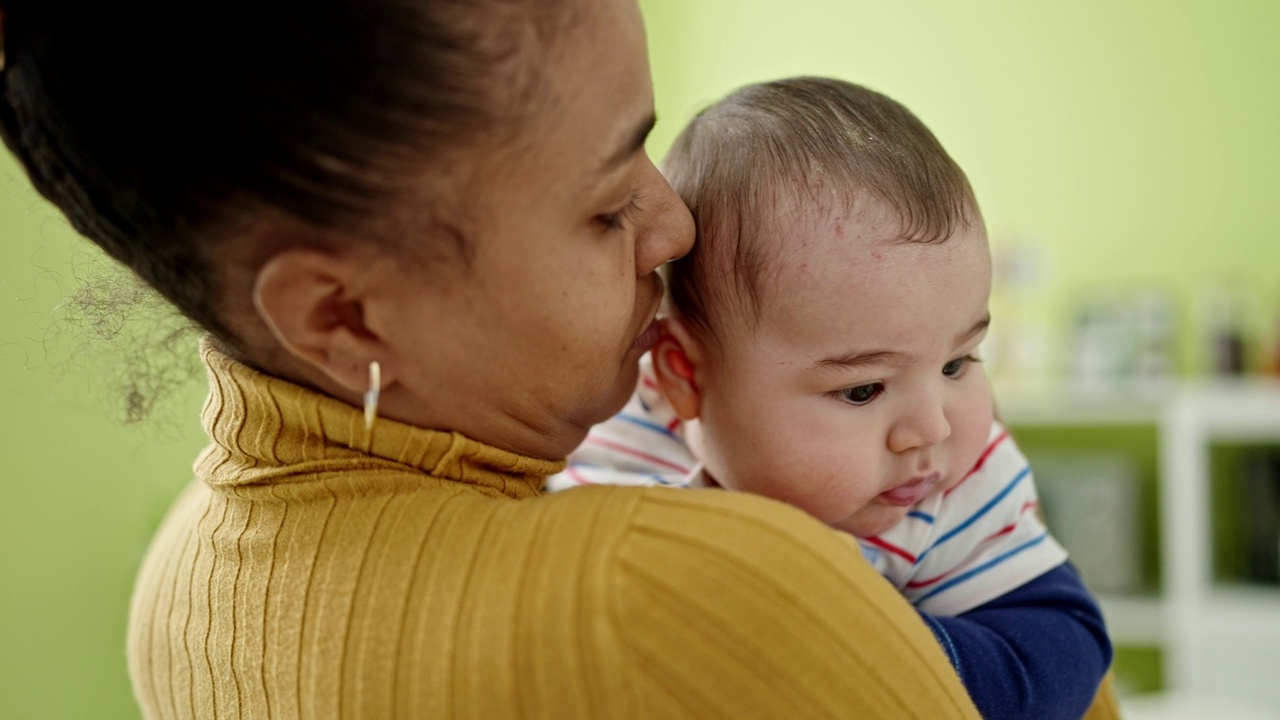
x=313 y=302
x=677 y=363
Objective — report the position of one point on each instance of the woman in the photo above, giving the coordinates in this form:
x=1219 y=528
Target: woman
x=423 y=239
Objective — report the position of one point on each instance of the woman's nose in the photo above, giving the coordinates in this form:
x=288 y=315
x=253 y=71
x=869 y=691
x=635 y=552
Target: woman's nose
x=666 y=232
x=924 y=426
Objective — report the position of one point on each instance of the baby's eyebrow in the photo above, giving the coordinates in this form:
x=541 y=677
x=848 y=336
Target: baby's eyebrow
x=853 y=360
x=863 y=359
x=978 y=327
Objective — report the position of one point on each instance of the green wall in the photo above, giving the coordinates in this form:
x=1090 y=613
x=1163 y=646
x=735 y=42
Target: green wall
x=1131 y=142
x=82 y=491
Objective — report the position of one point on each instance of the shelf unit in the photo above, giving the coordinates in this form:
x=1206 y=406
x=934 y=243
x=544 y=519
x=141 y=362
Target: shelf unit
x=1222 y=639
x=1218 y=640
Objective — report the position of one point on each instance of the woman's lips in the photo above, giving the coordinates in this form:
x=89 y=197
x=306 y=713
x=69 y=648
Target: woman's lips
x=912 y=491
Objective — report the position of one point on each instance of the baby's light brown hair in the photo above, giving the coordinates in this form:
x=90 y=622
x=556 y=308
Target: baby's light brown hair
x=805 y=142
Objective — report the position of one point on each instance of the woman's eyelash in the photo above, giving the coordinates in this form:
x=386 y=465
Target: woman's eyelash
x=618 y=219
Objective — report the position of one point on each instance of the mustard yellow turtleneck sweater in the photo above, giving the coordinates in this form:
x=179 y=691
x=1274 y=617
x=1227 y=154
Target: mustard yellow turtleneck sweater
x=314 y=571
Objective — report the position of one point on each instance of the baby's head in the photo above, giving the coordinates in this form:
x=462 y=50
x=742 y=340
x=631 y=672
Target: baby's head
x=824 y=328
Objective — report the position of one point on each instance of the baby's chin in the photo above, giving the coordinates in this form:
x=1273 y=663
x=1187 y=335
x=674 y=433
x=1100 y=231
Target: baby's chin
x=872 y=520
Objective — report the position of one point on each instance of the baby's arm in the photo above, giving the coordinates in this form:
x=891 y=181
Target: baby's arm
x=1039 y=651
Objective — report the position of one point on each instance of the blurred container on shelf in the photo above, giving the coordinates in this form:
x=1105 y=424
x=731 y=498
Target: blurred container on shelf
x=1091 y=504
x=1226 y=334
x=1122 y=341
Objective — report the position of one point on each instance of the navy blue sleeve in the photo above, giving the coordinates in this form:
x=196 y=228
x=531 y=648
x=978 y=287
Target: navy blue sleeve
x=1039 y=651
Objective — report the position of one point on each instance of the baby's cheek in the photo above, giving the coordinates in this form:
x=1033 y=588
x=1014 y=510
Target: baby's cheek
x=975 y=429
x=833 y=498
x=955 y=478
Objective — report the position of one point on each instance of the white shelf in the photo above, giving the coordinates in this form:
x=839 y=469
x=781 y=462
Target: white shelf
x=1255 y=607
x=1237 y=637
x=1056 y=403
x=1244 y=411
x=1219 y=641
x=1246 y=407
x=1222 y=639
x=1136 y=620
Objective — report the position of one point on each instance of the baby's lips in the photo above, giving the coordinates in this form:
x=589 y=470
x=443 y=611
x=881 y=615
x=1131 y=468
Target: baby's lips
x=912 y=492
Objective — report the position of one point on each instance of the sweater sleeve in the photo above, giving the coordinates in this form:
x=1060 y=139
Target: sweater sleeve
x=1039 y=651
x=730 y=605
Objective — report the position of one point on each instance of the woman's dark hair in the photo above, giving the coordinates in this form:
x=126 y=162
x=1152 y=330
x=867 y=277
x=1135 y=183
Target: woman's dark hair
x=156 y=126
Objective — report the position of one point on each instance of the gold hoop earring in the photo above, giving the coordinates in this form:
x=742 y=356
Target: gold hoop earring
x=371 y=395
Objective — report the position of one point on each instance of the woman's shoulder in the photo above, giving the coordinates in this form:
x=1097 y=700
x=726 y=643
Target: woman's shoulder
x=687 y=539
x=744 y=605
x=639 y=514
x=597 y=602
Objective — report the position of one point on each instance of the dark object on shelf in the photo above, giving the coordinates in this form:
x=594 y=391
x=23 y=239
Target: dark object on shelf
x=1260 y=516
x=1228 y=352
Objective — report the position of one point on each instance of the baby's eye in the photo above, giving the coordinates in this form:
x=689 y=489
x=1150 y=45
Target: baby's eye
x=956 y=367
x=862 y=394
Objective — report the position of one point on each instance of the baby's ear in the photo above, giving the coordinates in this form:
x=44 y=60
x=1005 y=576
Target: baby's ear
x=677 y=363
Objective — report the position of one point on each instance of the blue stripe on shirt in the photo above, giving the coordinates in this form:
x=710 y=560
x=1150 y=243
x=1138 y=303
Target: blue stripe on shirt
x=654 y=476
x=646 y=424
x=979 y=513
x=981 y=568
x=921 y=516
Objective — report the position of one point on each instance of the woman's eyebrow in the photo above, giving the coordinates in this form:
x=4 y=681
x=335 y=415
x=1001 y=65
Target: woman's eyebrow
x=633 y=143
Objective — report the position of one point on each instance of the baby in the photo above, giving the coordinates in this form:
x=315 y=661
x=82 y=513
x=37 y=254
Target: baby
x=822 y=350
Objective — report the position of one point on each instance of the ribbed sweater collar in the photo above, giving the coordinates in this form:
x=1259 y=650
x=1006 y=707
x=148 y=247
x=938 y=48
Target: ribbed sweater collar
x=268 y=430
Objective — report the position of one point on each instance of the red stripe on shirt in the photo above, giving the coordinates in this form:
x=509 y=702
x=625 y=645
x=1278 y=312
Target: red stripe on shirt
x=1002 y=531
x=917 y=584
x=577 y=477
x=982 y=459
x=637 y=454
x=891 y=548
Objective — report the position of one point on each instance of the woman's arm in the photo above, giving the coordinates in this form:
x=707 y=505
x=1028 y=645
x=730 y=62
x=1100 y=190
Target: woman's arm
x=1039 y=651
